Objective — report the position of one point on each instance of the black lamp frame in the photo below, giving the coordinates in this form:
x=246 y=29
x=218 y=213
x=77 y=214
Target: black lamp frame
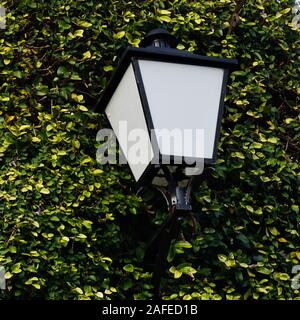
x=132 y=55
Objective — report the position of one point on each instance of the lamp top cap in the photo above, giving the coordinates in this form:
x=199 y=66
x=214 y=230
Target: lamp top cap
x=159 y=38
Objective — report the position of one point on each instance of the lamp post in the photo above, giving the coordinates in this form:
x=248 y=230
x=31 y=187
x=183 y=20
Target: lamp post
x=168 y=94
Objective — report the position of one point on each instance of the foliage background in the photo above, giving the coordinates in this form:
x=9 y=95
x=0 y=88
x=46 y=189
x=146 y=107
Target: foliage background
x=67 y=224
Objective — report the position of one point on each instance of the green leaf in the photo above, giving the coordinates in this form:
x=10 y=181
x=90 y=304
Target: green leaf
x=164 y=12
x=283 y=276
x=81 y=236
x=76 y=144
x=8 y=275
x=49 y=127
x=165 y=19
x=78 y=98
x=238 y=155
x=295 y=208
x=87 y=224
x=256 y=145
x=289 y=120
x=86 y=55
x=64 y=240
x=107 y=68
x=282 y=240
x=84 y=24
x=249 y=208
x=120 y=35
x=129 y=268
x=12 y=249
x=273 y=140
x=97 y=172
x=286 y=10
x=83 y=108
x=36 y=285
x=265 y=270
x=62 y=71
x=127 y=284
x=18 y=74
x=45 y=191
x=41 y=90
x=177 y=274
x=86 y=160
x=63 y=25
x=16 y=268
x=36 y=139
x=274 y=231
x=78 y=290
x=183 y=244
x=79 y=33
x=222 y=257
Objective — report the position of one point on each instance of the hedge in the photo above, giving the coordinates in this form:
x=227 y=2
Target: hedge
x=73 y=229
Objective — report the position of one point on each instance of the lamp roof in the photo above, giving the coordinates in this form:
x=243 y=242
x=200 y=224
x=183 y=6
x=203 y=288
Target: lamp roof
x=159 y=34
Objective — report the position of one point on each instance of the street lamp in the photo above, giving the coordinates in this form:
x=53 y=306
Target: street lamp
x=176 y=98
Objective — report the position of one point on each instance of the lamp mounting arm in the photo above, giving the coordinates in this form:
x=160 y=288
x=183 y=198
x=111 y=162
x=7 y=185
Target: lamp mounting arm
x=179 y=207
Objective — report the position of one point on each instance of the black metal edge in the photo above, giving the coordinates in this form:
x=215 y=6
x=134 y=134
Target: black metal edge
x=188 y=161
x=142 y=93
x=151 y=169
x=148 y=175
x=146 y=108
x=157 y=54
x=113 y=82
x=175 y=55
x=220 y=114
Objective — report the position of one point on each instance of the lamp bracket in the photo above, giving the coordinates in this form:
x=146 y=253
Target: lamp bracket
x=178 y=199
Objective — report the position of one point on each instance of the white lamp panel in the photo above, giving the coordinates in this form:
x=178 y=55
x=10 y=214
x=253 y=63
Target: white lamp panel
x=182 y=96
x=125 y=110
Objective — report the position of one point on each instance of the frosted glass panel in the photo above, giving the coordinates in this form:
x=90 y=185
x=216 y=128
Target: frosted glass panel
x=125 y=113
x=184 y=97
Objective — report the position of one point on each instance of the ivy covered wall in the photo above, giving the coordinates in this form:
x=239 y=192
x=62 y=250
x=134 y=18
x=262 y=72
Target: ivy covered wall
x=67 y=224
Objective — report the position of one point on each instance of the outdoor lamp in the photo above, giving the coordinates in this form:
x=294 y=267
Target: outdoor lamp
x=176 y=99
x=159 y=89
